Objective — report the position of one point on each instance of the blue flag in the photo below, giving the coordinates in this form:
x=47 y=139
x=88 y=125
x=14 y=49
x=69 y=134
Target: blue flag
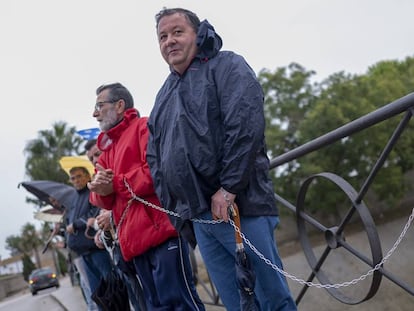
x=89 y=134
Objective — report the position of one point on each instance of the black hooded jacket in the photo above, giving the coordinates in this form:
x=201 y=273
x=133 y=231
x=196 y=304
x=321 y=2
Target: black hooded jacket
x=207 y=131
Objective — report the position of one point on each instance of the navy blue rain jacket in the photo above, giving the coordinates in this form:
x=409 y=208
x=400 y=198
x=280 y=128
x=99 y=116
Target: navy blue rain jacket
x=207 y=131
x=78 y=215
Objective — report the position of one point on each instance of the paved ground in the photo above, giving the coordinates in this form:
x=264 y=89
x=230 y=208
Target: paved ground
x=70 y=297
x=340 y=266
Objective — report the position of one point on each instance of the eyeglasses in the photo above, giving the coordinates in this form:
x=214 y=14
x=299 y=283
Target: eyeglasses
x=99 y=105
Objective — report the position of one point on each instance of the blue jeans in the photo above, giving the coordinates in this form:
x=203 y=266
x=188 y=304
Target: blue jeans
x=218 y=247
x=97 y=265
x=84 y=283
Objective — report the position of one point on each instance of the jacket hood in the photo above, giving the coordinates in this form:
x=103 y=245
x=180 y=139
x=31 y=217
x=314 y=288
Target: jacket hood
x=208 y=41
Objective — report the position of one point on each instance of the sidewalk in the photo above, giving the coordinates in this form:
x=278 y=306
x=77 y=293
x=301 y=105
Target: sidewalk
x=68 y=296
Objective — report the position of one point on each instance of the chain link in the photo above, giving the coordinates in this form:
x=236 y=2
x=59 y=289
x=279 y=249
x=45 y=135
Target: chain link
x=272 y=265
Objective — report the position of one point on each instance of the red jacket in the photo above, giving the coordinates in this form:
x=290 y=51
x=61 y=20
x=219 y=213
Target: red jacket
x=124 y=151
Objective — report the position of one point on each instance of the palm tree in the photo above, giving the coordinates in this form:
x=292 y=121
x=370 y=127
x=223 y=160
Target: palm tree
x=44 y=152
x=25 y=244
x=30 y=242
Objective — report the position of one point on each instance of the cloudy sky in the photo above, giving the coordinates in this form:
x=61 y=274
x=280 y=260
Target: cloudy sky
x=54 y=53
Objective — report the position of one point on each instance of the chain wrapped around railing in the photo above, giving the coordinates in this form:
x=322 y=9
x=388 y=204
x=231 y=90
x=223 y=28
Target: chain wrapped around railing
x=267 y=261
x=334 y=235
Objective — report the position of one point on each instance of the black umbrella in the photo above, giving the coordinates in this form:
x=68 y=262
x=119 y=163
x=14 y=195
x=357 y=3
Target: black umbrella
x=112 y=293
x=54 y=193
x=245 y=274
x=51 y=191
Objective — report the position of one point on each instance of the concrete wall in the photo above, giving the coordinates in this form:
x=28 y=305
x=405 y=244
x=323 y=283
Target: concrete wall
x=12 y=284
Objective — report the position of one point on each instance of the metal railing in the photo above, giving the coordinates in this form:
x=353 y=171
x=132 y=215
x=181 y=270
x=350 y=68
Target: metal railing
x=334 y=236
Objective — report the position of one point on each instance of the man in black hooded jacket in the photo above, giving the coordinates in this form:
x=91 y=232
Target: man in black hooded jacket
x=207 y=152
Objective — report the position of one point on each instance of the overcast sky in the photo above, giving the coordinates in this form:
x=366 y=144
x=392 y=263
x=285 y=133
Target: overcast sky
x=55 y=53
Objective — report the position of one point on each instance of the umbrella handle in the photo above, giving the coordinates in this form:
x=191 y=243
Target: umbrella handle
x=49 y=240
x=234 y=211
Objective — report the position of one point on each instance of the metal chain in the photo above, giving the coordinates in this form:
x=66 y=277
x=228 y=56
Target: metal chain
x=338 y=285
x=272 y=265
x=159 y=208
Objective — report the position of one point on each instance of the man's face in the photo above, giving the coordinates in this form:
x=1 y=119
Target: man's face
x=79 y=179
x=93 y=154
x=105 y=111
x=177 y=40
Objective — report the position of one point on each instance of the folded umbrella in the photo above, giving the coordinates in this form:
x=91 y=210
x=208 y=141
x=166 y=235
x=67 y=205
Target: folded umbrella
x=112 y=293
x=245 y=274
x=53 y=233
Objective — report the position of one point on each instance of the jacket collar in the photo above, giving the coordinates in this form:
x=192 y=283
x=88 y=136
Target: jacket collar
x=105 y=139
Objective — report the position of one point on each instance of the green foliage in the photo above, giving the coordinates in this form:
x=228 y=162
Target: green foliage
x=30 y=238
x=44 y=152
x=28 y=266
x=14 y=245
x=27 y=243
x=289 y=96
x=298 y=111
x=62 y=262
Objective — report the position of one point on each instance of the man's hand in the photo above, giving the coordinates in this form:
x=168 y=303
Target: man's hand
x=102 y=181
x=91 y=222
x=97 y=239
x=104 y=220
x=220 y=203
x=70 y=229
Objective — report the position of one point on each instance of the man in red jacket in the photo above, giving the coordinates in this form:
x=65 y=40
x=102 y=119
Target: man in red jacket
x=145 y=234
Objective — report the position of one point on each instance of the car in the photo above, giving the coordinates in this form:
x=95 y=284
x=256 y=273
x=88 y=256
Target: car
x=41 y=279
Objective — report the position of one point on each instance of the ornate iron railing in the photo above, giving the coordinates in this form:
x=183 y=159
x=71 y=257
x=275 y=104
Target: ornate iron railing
x=334 y=236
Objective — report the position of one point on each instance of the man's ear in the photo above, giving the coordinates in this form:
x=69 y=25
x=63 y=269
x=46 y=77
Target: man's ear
x=120 y=106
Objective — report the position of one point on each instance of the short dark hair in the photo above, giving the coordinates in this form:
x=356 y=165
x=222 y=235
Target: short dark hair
x=191 y=17
x=89 y=144
x=116 y=92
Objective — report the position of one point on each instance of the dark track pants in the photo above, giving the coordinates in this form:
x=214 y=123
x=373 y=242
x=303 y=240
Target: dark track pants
x=166 y=276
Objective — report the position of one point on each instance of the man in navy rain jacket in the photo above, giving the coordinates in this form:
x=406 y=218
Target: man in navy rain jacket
x=207 y=151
